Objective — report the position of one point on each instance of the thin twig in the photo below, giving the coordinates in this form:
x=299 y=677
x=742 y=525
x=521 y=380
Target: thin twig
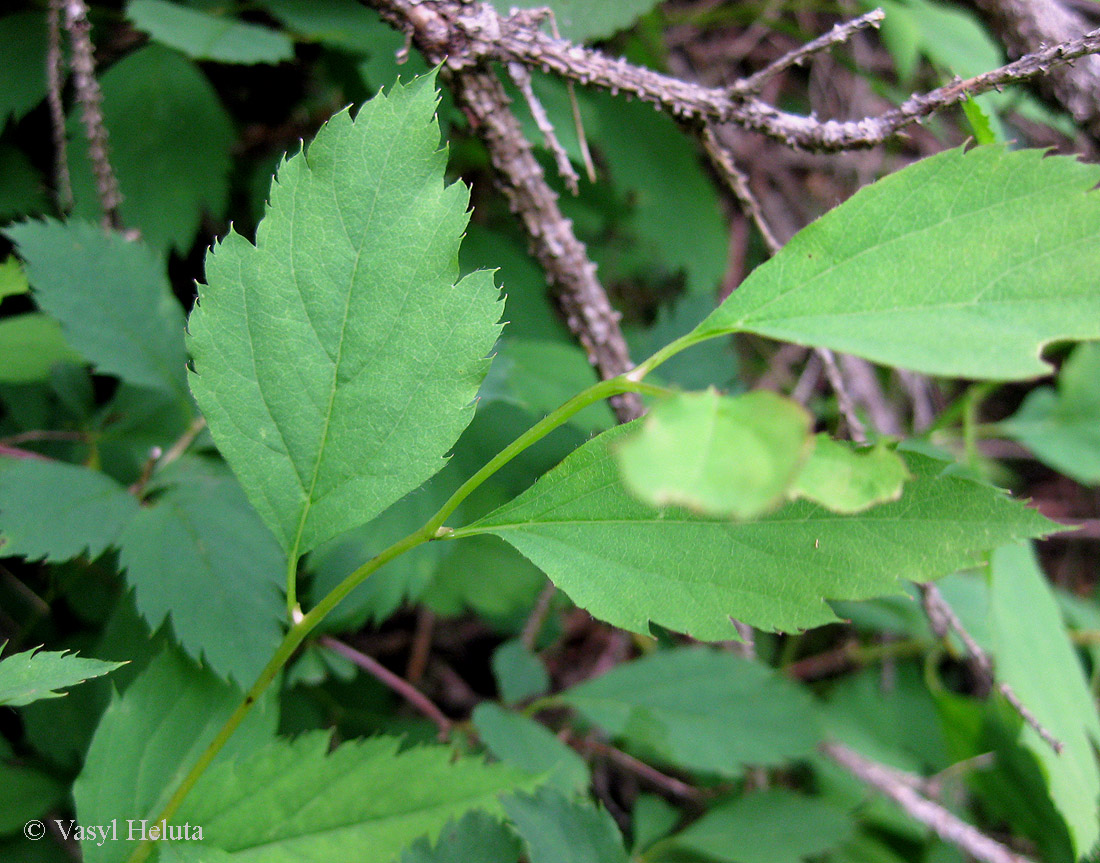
x=421 y=647
x=655 y=777
x=903 y=792
x=45 y=434
x=22 y=454
x=182 y=443
x=738 y=183
x=63 y=187
x=533 y=626
x=856 y=429
x=394 y=681
x=942 y=619
x=467 y=34
x=90 y=98
x=522 y=79
x=840 y=33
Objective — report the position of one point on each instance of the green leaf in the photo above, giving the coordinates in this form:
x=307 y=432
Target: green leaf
x=170 y=140
x=702 y=709
x=980 y=123
x=539 y=376
x=206 y=36
x=518 y=672
x=336 y=360
x=26 y=793
x=343 y=24
x=13 y=281
x=200 y=555
x=733 y=456
x=772 y=826
x=677 y=212
x=882 y=275
x=1063 y=427
x=524 y=743
x=846 y=479
x=474 y=838
x=23 y=192
x=30 y=676
x=486 y=575
x=557 y=829
x=112 y=298
x=1035 y=657
x=581 y=20
x=629 y=564
x=150 y=737
x=54 y=511
x=297 y=801
x=30 y=345
x=22 y=64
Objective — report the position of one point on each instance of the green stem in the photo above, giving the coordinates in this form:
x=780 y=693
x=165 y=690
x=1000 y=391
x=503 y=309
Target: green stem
x=431 y=530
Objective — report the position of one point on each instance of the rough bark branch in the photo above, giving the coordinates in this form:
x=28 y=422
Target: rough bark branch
x=901 y=788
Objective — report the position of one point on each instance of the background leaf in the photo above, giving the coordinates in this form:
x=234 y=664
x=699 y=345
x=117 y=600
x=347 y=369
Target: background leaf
x=770 y=826
x=201 y=555
x=847 y=479
x=1063 y=427
x=205 y=36
x=54 y=511
x=170 y=140
x=629 y=564
x=32 y=675
x=30 y=345
x=733 y=456
x=1036 y=658
x=524 y=743
x=22 y=66
x=474 y=838
x=112 y=298
x=298 y=801
x=149 y=738
x=557 y=829
x=701 y=709
x=336 y=367
x=864 y=280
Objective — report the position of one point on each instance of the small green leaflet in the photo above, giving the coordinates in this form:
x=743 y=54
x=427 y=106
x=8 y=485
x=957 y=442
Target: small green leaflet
x=557 y=828
x=13 y=280
x=54 y=511
x=474 y=838
x=295 y=800
x=199 y=554
x=111 y=297
x=882 y=275
x=701 y=709
x=336 y=360
x=522 y=742
x=1036 y=658
x=148 y=739
x=629 y=563
x=205 y=36
x=771 y=826
x=1063 y=427
x=718 y=455
x=30 y=345
x=36 y=674
x=846 y=479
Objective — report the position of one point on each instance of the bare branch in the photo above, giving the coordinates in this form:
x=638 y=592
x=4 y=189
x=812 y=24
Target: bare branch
x=469 y=33
x=840 y=33
x=531 y=629
x=522 y=79
x=902 y=790
x=63 y=187
x=394 y=681
x=1030 y=25
x=90 y=98
x=738 y=184
x=942 y=619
